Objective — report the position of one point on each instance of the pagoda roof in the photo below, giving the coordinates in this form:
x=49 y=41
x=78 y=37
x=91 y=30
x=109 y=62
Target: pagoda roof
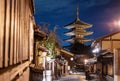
x=72 y=33
x=86 y=33
x=83 y=40
x=66 y=52
x=78 y=22
x=71 y=40
x=81 y=33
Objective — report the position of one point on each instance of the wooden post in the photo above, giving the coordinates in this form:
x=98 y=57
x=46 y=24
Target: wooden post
x=12 y=35
x=15 y=26
x=1 y=31
x=66 y=68
x=53 y=69
x=117 y=64
x=6 y=32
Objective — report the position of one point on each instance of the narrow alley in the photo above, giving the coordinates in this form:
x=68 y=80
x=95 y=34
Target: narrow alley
x=59 y=40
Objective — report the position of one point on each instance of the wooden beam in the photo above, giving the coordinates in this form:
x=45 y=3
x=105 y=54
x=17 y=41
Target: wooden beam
x=66 y=52
x=110 y=40
x=18 y=70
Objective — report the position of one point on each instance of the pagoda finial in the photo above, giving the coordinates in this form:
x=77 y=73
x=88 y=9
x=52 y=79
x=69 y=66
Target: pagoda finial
x=77 y=12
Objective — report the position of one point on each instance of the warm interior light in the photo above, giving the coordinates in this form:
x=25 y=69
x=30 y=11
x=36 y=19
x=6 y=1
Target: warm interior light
x=86 y=61
x=71 y=59
x=44 y=54
x=48 y=58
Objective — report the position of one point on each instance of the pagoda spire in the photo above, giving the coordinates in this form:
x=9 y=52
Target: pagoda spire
x=77 y=12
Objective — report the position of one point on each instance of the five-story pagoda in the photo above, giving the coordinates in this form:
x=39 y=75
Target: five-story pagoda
x=77 y=30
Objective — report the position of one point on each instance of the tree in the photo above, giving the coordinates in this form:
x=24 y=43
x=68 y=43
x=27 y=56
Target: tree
x=52 y=42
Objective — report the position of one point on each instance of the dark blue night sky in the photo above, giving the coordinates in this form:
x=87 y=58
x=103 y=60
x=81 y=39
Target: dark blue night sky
x=100 y=13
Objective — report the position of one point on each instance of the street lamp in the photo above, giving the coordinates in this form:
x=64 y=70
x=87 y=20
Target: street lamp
x=71 y=58
x=117 y=22
x=86 y=61
x=96 y=49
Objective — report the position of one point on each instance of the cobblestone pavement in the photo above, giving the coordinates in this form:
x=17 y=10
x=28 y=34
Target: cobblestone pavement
x=78 y=77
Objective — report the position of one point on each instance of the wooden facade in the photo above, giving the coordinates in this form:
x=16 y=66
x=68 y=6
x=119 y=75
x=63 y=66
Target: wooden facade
x=108 y=43
x=16 y=38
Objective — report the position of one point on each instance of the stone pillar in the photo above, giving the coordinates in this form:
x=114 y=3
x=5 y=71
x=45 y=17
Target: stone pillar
x=117 y=64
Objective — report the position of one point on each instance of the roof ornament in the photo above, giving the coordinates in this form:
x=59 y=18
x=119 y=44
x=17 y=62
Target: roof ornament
x=77 y=12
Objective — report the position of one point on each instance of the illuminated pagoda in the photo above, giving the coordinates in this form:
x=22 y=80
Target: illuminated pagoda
x=77 y=30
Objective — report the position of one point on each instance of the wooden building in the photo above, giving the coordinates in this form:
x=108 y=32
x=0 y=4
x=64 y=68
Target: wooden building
x=39 y=37
x=107 y=46
x=16 y=39
x=69 y=63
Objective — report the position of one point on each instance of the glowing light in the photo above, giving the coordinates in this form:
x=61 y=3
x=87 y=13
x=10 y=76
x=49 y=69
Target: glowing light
x=44 y=54
x=71 y=59
x=86 y=61
x=48 y=58
x=117 y=23
x=96 y=50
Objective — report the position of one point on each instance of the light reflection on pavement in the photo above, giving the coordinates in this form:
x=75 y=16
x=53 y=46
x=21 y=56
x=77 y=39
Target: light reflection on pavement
x=75 y=77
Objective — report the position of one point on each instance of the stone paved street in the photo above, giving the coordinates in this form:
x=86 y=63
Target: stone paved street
x=78 y=77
